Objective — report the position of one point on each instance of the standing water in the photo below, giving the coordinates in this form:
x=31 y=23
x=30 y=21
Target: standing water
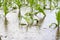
x=16 y=33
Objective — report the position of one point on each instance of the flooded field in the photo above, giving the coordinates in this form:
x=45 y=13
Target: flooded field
x=15 y=33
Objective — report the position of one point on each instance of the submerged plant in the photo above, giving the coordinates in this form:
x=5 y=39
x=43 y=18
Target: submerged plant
x=6 y=5
x=50 y=4
x=29 y=16
x=29 y=19
x=33 y=4
x=5 y=12
x=57 y=25
x=0 y=38
x=19 y=4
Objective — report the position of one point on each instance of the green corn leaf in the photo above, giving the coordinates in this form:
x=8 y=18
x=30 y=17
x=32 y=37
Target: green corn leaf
x=10 y=3
x=5 y=7
x=29 y=14
x=18 y=2
x=58 y=20
x=5 y=10
x=40 y=0
x=31 y=2
x=50 y=0
x=28 y=19
x=39 y=9
x=58 y=16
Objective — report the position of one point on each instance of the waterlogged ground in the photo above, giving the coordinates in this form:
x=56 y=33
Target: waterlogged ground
x=16 y=33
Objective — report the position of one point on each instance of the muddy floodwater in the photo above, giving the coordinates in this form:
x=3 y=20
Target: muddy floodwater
x=16 y=33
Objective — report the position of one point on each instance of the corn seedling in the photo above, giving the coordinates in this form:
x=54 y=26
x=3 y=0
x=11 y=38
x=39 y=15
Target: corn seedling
x=5 y=12
x=19 y=4
x=29 y=19
x=6 y=4
x=29 y=16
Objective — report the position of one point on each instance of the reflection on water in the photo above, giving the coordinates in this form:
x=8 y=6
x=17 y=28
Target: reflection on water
x=14 y=33
x=6 y=23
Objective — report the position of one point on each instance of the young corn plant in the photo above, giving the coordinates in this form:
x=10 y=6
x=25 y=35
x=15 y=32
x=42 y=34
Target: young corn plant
x=5 y=13
x=29 y=16
x=29 y=19
x=6 y=4
x=40 y=10
x=57 y=25
x=19 y=4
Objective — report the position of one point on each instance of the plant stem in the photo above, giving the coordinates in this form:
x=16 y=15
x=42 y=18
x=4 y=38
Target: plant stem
x=40 y=22
x=50 y=4
x=44 y=5
x=58 y=32
x=24 y=1
x=19 y=16
x=29 y=25
x=0 y=38
x=32 y=15
x=57 y=3
x=0 y=3
x=6 y=22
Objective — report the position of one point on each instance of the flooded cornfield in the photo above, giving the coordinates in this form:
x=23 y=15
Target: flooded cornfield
x=29 y=20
